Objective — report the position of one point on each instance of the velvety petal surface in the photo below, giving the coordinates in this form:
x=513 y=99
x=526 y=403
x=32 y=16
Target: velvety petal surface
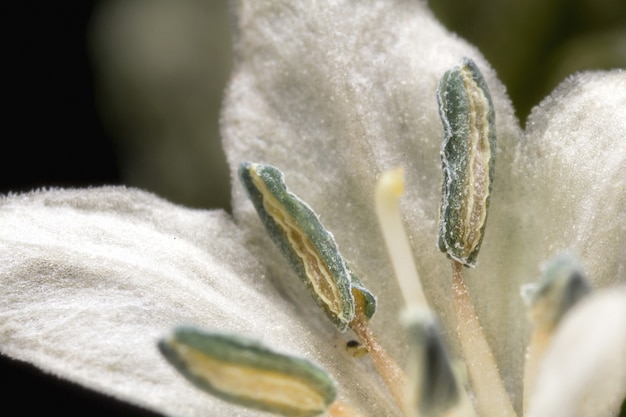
x=334 y=93
x=561 y=188
x=91 y=279
x=571 y=171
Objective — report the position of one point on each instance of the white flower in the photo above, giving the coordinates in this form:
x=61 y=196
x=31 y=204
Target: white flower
x=332 y=94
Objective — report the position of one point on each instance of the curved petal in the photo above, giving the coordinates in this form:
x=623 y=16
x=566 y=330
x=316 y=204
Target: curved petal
x=583 y=373
x=562 y=188
x=90 y=279
x=334 y=94
x=571 y=174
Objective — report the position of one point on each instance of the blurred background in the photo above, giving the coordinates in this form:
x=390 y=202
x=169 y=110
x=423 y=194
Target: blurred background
x=129 y=92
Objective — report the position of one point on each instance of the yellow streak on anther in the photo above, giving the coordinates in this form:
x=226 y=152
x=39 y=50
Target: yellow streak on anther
x=264 y=386
x=316 y=269
x=475 y=209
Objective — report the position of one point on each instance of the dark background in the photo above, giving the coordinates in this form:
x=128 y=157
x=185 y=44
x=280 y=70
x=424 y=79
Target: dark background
x=54 y=136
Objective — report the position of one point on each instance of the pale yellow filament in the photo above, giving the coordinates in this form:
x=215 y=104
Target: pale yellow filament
x=389 y=188
x=387 y=368
x=534 y=353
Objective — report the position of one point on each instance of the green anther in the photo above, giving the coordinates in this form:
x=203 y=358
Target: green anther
x=244 y=372
x=433 y=386
x=467 y=156
x=562 y=285
x=309 y=247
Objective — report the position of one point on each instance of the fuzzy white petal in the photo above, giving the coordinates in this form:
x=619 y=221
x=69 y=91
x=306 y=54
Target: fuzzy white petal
x=561 y=188
x=90 y=279
x=571 y=173
x=334 y=94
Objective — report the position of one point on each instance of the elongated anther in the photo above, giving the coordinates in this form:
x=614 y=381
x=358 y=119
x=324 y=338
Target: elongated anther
x=314 y=255
x=308 y=246
x=562 y=285
x=467 y=157
x=244 y=372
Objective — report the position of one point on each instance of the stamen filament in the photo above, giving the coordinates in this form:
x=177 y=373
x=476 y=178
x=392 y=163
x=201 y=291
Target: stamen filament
x=492 y=400
x=389 y=188
x=388 y=369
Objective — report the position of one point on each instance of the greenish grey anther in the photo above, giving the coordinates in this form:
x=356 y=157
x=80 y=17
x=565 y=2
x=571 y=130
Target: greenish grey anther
x=467 y=158
x=244 y=372
x=433 y=386
x=562 y=285
x=310 y=249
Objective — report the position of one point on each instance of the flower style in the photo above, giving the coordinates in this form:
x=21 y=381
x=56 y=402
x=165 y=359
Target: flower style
x=334 y=94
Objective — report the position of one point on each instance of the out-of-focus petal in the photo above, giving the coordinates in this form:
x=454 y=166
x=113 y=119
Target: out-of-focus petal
x=583 y=372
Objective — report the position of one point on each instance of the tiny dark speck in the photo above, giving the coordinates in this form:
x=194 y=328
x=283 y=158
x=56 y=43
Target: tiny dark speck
x=352 y=343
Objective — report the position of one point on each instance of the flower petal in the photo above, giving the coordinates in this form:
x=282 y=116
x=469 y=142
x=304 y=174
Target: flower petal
x=571 y=173
x=561 y=188
x=91 y=279
x=333 y=95
x=584 y=370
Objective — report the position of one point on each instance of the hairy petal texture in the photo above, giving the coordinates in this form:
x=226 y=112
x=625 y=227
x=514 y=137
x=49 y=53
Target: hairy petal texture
x=334 y=93
x=561 y=188
x=574 y=158
x=91 y=279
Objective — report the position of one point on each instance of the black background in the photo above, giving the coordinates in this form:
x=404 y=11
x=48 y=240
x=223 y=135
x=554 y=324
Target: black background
x=52 y=134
